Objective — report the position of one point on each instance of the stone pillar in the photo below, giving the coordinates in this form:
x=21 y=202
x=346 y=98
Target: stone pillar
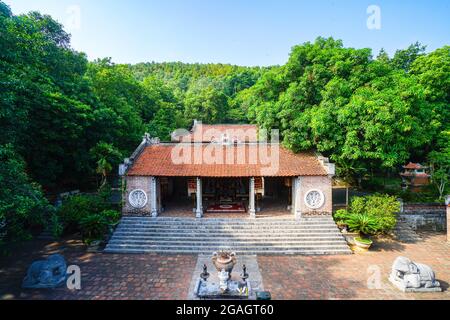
x=293 y=193
x=158 y=195
x=199 y=209
x=251 y=199
x=400 y=200
x=153 y=197
x=297 y=197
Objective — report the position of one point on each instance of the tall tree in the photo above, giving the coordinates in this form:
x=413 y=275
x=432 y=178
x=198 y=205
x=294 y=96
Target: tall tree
x=206 y=104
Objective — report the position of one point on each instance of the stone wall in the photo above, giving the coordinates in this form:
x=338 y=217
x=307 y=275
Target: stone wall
x=448 y=221
x=322 y=183
x=133 y=183
x=425 y=216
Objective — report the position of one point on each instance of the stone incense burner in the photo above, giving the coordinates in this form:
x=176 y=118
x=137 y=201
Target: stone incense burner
x=224 y=260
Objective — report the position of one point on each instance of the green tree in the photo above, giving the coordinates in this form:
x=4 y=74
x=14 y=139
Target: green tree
x=440 y=163
x=206 y=104
x=107 y=158
x=119 y=104
x=22 y=204
x=404 y=58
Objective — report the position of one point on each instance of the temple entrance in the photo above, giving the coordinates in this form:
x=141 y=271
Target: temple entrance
x=226 y=195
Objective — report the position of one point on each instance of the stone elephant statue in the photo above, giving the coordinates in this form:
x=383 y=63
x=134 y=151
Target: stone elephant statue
x=412 y=275
x=49 y=273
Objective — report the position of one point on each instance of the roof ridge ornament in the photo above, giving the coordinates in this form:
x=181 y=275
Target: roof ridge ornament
x=325 y=162
x=148 y=140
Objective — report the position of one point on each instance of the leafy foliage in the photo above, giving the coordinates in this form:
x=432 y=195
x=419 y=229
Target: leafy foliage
x=362 y=113
x=440 y=161
x=91 y=215
x=22 y=203
x=96 y=226
x=371 y=214
x=362 y=223
x=76 y=207
x=65 y=119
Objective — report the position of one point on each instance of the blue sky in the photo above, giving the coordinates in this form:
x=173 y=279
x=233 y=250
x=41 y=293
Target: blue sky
x=243 y=32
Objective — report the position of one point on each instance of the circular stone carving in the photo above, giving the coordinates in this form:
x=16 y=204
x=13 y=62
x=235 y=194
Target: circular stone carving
x=314 y=199
x=138 y=198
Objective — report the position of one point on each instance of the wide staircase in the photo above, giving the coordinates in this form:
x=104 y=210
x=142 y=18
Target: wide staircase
x=308 y=236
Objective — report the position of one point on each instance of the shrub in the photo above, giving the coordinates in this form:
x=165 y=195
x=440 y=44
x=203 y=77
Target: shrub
x=91 y=215
x=93 y=227
x=370 y=215
x=23 y=206
x=112 y=216
x=383 y=209
x=96 y=226
x=54 y=226
x=77 y=207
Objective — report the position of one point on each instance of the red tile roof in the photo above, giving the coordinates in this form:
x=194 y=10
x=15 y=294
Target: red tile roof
x=156 y=160
x=413 y=166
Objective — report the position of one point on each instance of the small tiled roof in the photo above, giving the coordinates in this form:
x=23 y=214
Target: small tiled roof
x=156 y=160
x=413 y=166
x=234 y=132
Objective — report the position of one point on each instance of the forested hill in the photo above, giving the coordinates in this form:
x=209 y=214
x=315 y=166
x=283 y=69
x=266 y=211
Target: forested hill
x=66 y=120
x=217 y=83
x=170 y=71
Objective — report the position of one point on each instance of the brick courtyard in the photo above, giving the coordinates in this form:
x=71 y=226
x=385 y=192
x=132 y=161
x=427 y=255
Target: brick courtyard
x=156 y=276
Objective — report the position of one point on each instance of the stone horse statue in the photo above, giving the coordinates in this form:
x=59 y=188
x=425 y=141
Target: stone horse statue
x=410 y=276
x=49 y=273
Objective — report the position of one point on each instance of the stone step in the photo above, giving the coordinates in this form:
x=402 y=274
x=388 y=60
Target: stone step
x=217 y=233
x=239 y=252
x=404 y=233
x=247 y=251
x=225 y=246
x=237 y=220
x=230 y=242
x=226 y=222
x=225 y=227
x=188 y=235
x=231 y=220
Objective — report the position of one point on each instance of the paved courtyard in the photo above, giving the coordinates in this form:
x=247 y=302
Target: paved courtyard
x=157 y=276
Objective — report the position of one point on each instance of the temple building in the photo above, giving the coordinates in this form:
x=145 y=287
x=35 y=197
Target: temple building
x=217 y=170
x=415 y=176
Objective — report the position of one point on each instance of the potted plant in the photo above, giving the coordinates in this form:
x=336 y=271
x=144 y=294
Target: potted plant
x=369 y=216
x=366 y=226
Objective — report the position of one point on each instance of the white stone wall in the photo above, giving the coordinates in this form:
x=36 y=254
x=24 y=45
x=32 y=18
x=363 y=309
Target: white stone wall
x=306 y=184
x=133 y=183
